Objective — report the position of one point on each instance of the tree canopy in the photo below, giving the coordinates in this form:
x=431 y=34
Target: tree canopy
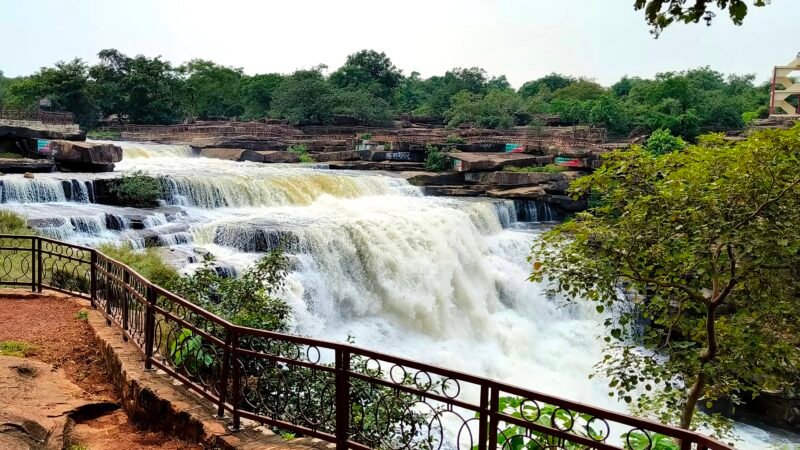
x=693 y=256
x=662 y=13
x=368 y=89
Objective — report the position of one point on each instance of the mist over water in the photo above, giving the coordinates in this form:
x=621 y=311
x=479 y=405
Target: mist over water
x=441 y=280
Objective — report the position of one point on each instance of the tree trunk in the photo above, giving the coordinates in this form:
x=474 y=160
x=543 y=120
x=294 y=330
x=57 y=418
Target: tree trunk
x=697 y=389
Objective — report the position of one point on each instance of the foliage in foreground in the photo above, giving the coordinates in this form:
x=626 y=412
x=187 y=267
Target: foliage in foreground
x=16 y=348
x=138 y=189
x=697 y=254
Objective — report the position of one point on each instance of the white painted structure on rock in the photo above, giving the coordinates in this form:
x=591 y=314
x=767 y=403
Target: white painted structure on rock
x=779 y=104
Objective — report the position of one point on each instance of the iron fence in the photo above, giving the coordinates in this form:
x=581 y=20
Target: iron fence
x=37 y=115
x=353 y=397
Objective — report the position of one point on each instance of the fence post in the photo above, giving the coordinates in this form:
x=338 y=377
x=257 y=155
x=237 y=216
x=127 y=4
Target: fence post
x=92 y=279
x=126 y=280
x=494 y=405
x=34 y=259
x=236 y=394
x=342 y=398
x=223 y=378
x=149 y=327
x=483 y=416
x=109 y=291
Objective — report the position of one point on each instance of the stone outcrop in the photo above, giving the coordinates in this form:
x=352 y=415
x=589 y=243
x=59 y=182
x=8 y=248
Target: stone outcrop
x=513 y=178
x=370 y=155
x=434 y=178
x=347 y=155
x=33 y=130
x=85 y=156
x=239 y=154
x=22 y=165
x=474 y=162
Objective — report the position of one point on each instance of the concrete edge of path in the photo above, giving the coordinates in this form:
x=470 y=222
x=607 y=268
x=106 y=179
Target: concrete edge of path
x=152 y=399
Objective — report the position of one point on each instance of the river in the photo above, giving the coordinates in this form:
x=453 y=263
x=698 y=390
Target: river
x=437 y=279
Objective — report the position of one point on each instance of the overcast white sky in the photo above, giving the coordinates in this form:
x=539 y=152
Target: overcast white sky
x=523 y=39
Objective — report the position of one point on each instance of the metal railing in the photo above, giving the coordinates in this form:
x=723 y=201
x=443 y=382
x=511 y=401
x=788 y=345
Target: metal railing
x=353 y=397
x=37 y=115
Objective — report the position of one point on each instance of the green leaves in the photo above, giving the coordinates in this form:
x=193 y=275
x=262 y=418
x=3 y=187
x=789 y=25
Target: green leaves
x=709 y=231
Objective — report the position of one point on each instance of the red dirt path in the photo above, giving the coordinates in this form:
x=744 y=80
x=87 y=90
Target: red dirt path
x=52 y=325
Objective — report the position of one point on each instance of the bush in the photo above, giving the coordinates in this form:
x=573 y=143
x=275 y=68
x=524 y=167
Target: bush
x=550 y=168
x=455 y=139
x=138 y=189
x=662 y=142
x=436 y=160
x=147 y=262
x=365 y=137
x=302 y=152
x=13 y=223
x=71 y=280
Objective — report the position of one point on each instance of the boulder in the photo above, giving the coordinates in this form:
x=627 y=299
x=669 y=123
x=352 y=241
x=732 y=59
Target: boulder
x=22 y=165
x=455 y=191
x=85 y=156
x=231 y=154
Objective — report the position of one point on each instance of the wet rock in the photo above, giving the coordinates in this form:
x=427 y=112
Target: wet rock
x=434 y=178
x=28 y=175
x=85 y=156
x=23 y=165
x=273 y=156
x=456 y=191
x=528 y=192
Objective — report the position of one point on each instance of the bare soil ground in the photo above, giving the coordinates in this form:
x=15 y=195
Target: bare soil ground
x=52 y=325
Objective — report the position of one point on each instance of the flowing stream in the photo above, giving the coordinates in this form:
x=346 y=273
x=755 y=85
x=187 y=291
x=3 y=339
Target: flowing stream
x=441 y=280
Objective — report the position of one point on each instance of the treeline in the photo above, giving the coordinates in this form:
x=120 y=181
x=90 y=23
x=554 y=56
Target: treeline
x=368 y=89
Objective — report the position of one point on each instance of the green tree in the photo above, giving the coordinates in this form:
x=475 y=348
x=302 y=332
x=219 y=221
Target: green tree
x=662 y=13
x=257 y=92
x=552 y=82
x=705 y=247
x=368 y=69
x=66 y=85
x=304 y=97
x=499 y=108
x=211 y=90
x=362 y=105
x=147 y=90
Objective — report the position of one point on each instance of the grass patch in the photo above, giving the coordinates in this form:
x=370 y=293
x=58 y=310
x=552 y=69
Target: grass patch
x=82 y=315
x=550 y=168
x=13 y=223
x=302 y=152
x=11 y=155
x=16 y=348
x=147 y=262
x=97 y=134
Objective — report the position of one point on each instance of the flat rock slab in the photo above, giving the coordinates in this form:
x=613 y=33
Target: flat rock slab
x=22 y=165
x=474 y=162
x=241 y=154
x=36 y=402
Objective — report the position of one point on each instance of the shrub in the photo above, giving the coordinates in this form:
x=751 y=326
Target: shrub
x=138 y=189
x=365 y=137
x=662 y=142
x=302 y=152
x=13 y=223
x=70 y=280
x=550 y=168
x=436 y=160
x=147 y=262
x=455 y=139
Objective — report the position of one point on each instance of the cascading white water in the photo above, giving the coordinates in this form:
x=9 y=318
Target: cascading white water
x=436 y=279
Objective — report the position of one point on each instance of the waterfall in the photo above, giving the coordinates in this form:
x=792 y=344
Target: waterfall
x=39 y=190
x=534 y=211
